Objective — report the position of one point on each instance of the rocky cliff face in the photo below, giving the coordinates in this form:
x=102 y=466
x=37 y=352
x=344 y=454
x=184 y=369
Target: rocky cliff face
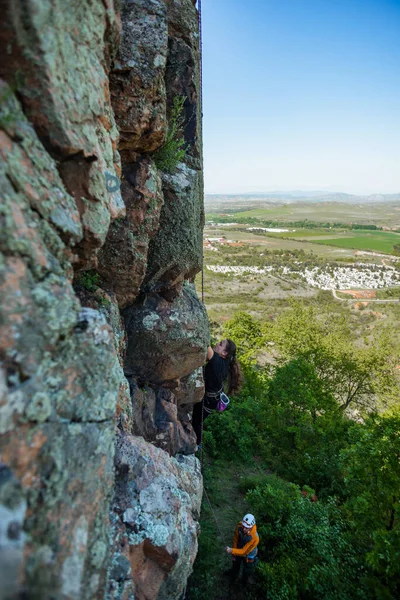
x=102 y=335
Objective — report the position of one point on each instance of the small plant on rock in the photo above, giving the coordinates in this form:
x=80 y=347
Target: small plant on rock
x=89 y=280
x=174 y=149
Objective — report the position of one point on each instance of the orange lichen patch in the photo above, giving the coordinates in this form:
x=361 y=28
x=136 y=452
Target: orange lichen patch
x=16 y=272
x=147 y=574
x=16 y=276
x=105 y=122
x=360 y=293
x=31 y=194
x=70 y=383
x=27 y=233
x=102 y=468
x=5 y=144
x=22 y=456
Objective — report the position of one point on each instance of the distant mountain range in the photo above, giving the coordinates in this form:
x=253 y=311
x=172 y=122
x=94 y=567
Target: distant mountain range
x=302 y=196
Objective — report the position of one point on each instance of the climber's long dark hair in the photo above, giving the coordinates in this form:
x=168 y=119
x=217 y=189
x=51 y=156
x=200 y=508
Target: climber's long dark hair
x=235 y=378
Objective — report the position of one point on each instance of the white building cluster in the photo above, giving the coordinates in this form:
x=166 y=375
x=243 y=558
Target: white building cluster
x=269 y=229
x=326 y=277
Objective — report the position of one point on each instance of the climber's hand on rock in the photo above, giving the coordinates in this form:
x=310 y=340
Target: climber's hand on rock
x=229 y=550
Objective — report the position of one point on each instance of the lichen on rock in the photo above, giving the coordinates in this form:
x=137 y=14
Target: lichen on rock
x=102 y=335
x=123 y=257
x=137 y=79
x=166 y=340
x=156 y=508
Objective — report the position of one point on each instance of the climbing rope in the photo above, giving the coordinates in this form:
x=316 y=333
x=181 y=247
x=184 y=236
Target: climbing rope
x=201 y=116
x=215 y=519
x=202 y=266
x=202 y=282
x=200 y=69
x=201 y=125
x=201 y=429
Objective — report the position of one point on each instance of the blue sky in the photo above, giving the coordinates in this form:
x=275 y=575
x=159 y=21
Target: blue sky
x=301 y=94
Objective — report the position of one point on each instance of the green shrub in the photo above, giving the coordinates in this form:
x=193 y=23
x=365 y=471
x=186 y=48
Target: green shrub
x=304 y=546
x=235 y=431
x=173 y=150
x=89 y=280
x=246 y=484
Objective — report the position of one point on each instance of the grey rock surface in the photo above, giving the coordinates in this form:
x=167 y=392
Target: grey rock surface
x=90 y=227
x=155 y=516
x=166 y=340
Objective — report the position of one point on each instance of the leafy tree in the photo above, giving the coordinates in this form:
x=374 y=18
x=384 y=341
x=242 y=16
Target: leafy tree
x=297 y=389
x=371 y=469
x=305 y=430
x=354 y=375
x=306 y=552
x=245 y=331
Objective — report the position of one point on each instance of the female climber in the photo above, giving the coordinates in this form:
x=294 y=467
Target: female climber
x=222 y=365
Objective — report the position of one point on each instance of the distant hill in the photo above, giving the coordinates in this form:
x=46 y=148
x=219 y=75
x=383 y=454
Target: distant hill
x=300 y=196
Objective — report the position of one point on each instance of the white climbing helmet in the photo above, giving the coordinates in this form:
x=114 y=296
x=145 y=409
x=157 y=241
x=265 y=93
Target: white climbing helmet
x=248 y=520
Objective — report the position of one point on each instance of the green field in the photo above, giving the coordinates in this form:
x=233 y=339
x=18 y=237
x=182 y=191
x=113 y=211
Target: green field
x=275 y=242
x=312 y=239
x=381 y=241
x=376 y=241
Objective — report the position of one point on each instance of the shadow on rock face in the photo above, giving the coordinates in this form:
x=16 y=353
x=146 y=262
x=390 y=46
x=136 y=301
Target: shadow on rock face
x=156 y=416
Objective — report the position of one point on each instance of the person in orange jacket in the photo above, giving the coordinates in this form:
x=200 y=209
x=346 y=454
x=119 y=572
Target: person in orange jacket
x=244 y=549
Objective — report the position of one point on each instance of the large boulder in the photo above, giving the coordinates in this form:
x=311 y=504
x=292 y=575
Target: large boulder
x=189 y=392
x=155 y=515
x=155 y=416
x=166 y=340
x=55 y=487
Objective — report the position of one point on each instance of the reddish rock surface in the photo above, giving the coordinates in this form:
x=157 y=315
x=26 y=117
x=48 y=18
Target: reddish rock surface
x=58 y=67
x=75 y=249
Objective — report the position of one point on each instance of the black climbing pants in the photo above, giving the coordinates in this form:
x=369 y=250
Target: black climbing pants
x=237 y=562
x=210 y=404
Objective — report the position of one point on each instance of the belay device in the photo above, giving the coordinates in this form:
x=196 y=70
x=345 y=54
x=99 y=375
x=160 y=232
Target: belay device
x=222 y=402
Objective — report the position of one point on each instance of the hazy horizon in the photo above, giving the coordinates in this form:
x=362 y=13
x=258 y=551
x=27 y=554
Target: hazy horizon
x=313 y=191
